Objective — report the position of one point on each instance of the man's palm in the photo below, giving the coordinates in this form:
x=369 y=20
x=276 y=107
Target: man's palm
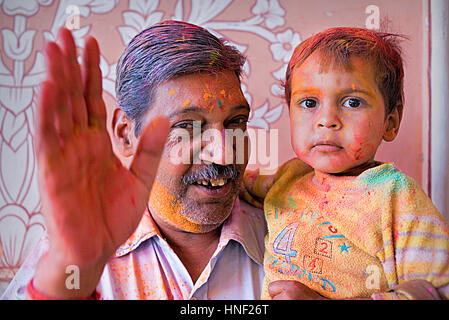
x=91 y=203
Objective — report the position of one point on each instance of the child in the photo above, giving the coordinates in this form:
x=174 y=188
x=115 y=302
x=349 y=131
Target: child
x=352 y=227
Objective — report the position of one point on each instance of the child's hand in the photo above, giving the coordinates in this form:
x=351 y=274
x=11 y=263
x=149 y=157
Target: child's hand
x=292 y=290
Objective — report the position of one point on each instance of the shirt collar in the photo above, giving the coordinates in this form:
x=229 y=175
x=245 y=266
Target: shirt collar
x=146 y=229
x=244 y=225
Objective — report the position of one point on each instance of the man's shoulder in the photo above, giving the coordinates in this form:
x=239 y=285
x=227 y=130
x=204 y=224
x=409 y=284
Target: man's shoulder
x=254 y=229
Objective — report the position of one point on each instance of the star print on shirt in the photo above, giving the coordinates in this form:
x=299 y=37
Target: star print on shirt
x=344 y=247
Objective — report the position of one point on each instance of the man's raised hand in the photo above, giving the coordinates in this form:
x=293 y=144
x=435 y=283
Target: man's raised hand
x=91 y=203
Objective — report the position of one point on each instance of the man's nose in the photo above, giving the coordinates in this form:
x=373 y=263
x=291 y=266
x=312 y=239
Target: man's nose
x=328 y=117
x=214 y=148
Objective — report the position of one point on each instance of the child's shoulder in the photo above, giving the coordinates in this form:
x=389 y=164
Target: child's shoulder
x=396 y=189
x=388 y=177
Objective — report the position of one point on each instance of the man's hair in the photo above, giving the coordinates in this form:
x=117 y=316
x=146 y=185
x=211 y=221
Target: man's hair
x=162 y=52
x=335 y=47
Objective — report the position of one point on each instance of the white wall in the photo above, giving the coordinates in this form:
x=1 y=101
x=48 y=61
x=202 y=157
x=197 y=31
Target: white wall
x=440 y=105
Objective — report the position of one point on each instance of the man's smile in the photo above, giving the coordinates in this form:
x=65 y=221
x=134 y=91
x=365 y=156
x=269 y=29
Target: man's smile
x=215 y=187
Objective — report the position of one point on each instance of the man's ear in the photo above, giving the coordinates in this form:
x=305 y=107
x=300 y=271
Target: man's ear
x=392 y=123
x=123 y=131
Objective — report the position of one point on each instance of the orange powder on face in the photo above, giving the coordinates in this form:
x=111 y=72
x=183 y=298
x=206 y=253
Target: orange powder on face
x=166 y=207
x=207 y=96
x=172 y=91
x=186 y=103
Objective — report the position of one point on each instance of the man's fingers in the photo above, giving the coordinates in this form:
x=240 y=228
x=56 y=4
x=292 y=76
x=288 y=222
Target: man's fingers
x=55 y=75
x=277 y=287
x=292 y=290
x=74 y=84
x=285 y=289
x=47 y=137
x=93 y=84
x=149 y=151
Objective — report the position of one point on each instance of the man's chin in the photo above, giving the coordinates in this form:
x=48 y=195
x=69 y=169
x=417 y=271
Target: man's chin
x=207 y=214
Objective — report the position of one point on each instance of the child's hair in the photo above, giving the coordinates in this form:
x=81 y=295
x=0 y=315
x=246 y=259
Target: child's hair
x=337 y=45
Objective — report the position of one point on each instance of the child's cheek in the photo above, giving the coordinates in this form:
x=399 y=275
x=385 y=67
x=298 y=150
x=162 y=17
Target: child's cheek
x=361 y=146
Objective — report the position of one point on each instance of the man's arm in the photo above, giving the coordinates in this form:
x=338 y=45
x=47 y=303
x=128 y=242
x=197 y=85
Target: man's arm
x=91 y=202
x=256 y=186
x=409 y=290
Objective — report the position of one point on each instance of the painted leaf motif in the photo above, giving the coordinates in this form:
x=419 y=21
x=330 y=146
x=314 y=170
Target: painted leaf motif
x=274 y=114
x=18 y=49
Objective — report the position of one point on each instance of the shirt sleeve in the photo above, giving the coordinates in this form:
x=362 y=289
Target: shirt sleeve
x=415 y=240
x=17 y=287
x=410 y=290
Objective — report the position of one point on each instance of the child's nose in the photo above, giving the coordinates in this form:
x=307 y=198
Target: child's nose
x=329 y=118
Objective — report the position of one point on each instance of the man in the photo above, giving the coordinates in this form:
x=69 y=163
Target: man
x=111 y=232
x=193 y=239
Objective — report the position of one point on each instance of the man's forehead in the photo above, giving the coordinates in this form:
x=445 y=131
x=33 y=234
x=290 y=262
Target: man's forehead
x=193 y=83
x=198 y=93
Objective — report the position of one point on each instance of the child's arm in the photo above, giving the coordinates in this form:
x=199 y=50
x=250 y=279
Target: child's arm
x=416 y=240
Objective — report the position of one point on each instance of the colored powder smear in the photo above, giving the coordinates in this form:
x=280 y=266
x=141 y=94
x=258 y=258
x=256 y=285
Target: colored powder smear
x=186 y=103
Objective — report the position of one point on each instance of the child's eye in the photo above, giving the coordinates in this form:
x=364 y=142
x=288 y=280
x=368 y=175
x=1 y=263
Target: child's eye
x=308 y=103
x=352 y=103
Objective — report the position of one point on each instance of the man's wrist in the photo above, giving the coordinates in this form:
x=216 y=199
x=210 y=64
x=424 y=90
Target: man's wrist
x=56 y=279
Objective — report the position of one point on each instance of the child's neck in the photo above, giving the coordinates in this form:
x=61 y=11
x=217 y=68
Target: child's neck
x=352 y=172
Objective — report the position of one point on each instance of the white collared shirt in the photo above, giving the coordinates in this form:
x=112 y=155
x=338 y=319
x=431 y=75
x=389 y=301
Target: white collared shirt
x=146 y=267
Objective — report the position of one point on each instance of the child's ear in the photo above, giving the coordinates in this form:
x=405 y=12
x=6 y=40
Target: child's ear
x=392 y=123
x=123 y=131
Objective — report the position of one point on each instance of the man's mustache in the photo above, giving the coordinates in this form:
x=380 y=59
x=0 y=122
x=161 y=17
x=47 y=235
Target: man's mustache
x=211 y=171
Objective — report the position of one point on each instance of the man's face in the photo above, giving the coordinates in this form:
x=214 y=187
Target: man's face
x=196 y=184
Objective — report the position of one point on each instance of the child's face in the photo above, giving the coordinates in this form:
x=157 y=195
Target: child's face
x=337 y=117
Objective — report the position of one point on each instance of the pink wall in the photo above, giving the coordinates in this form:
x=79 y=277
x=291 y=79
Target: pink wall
x=265 y=30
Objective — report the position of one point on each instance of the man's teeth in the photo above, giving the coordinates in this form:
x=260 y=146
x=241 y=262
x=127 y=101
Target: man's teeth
x=214 y=182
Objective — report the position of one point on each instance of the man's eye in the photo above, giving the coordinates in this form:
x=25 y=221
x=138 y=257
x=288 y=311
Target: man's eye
x=184 y=125
x=239 y=121
x=352 y=103
x=308 y=103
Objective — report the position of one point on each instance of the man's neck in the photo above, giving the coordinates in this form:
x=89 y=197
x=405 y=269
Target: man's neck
x=193 y=249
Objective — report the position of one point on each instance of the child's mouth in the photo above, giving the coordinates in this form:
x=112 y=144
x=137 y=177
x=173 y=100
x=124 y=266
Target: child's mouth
x=326 y=146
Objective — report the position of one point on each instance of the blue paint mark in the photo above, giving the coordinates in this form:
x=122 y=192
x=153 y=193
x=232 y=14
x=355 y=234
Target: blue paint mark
x=334 y=236
x=323 y=223
x=313 y=216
